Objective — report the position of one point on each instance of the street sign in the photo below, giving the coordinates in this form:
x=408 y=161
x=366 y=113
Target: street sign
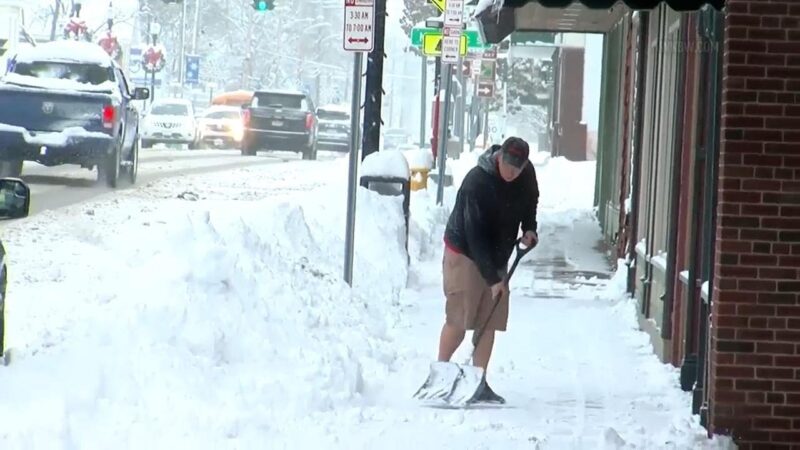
x=487 y=70
x=439 y=4
x=192 y=69
x=490 y=54
x=473 y=37
x=454 y=13
x=432 y=45
x=451 y=45
x=359 y=25
x=485 y=89
x=453 y=21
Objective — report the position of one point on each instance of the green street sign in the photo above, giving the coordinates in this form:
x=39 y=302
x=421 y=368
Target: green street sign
x=473 y=37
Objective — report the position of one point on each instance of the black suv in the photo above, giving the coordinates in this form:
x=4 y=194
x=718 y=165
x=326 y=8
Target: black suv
x=15 y=202
x=280 y=120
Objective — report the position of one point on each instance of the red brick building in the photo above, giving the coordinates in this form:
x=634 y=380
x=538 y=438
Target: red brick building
x=698 y=189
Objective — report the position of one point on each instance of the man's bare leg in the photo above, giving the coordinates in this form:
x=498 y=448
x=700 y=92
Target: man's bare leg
x=449 y=340
x=484 y=350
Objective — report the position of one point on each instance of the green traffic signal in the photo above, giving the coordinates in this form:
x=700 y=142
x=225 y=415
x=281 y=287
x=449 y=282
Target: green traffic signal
x=262 y=5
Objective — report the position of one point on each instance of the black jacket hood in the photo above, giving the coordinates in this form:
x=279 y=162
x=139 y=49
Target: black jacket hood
x=488 y=160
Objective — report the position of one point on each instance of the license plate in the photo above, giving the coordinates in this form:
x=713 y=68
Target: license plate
x=277 y=123
x=218 y=142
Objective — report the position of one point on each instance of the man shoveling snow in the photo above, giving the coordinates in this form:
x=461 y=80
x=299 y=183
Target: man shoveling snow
x=496 y=198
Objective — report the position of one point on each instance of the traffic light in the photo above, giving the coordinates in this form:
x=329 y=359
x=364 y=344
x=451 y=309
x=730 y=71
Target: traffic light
x=263 y=5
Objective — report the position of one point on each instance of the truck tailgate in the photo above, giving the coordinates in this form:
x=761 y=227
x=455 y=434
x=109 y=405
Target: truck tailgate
x=51 y=110
x=278 y=119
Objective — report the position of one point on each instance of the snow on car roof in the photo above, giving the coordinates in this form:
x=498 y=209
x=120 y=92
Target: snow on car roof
x=280 y=91
x=172 y=101
x=336 y=108
x=66 y=51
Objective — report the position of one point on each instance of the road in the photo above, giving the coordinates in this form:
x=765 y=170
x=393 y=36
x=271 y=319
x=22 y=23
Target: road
x=56 y=187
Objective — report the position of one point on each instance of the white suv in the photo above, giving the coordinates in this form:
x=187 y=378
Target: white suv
x=169 y=121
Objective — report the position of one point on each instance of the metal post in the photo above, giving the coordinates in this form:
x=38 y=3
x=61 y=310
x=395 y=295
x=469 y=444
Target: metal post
x=423 y=101
x=443 y=126
x=352 y=184
x=485 y=124
x=153 y=73
x=374 y=85
x=462 y=106
x=182 y=57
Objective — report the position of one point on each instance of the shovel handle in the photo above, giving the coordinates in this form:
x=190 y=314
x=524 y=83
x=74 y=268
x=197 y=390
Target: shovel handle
x=520 y=253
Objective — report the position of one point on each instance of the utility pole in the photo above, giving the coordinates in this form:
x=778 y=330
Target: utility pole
x=373 y=91
x=424 y=99
x=182 y=57
x=196 y=24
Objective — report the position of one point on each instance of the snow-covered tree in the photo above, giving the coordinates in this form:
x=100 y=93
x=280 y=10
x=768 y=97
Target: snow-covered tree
x=414 y=12
x=289 y=46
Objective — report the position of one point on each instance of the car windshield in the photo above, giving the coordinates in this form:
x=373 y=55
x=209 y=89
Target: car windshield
x=222 y=115
x=291 y=101
x=81 y=73
x=170 y=109
x=327 y=114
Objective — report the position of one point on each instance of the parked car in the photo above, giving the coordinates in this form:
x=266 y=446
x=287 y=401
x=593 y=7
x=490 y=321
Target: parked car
x=394 y=137
x=170 y=121
x=221 y=127
x=68 y=102
x=15 y=202
x=280 y=120
x=334 y=128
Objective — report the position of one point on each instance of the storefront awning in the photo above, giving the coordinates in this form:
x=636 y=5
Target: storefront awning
x=567 y=16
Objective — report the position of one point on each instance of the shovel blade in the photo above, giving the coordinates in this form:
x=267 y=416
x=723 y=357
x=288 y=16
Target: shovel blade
x=451 y=384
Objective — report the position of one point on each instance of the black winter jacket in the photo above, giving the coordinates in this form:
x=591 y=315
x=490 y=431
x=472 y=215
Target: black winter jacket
x=488 y=213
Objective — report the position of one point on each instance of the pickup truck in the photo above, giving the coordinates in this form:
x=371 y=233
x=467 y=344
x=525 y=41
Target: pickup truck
x=280 y=120
x=68 y=102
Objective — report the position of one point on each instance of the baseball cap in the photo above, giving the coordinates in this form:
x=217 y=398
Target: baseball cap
x=515 y=152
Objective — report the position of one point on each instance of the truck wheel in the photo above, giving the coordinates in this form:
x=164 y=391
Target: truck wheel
x=108 y=170
x=248 y=150
x=132 y=171
x=310 y=153
x=11 y=169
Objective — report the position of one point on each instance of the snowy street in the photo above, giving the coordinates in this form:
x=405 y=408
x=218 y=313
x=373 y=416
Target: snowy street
x=144 y=320
x=54 y=187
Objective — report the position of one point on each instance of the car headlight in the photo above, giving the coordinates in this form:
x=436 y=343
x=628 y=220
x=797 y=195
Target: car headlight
x=237 y=131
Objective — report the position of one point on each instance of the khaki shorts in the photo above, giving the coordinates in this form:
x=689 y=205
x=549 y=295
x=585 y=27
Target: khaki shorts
x=469 y=297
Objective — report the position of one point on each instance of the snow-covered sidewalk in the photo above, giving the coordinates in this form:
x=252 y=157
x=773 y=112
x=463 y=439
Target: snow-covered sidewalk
x=144 y=320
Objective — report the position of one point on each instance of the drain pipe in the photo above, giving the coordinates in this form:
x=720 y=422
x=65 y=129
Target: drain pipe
x=688 y=375
x=714 y=38
x=643 y=19
x=679 y=113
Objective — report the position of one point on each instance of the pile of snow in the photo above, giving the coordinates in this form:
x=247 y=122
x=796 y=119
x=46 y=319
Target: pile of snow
x=385 y=164
x=213 y=328
x=419 y=158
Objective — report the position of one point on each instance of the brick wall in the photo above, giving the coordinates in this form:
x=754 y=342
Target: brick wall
x=755 y=348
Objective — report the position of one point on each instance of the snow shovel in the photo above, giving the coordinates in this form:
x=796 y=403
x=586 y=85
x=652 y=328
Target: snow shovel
x=457 y=385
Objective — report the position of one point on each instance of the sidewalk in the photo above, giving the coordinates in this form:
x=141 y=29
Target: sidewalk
x=576 y=372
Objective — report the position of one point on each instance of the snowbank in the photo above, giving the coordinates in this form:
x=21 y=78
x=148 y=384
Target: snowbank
x=214 y=328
